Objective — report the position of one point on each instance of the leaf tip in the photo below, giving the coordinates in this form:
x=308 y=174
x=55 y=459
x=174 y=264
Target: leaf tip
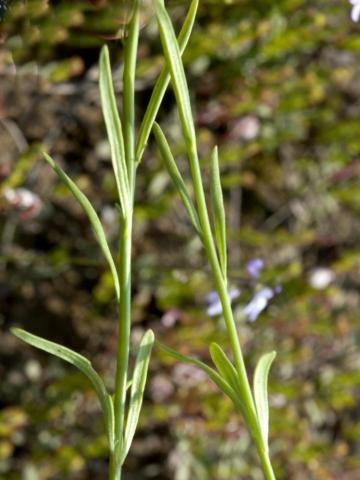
x=149 y=335
x=15 y=331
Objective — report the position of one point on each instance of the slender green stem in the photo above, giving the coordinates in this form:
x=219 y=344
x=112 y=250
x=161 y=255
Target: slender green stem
x=266 y=464
x=221 y=287
x=181 y=90
x=114 y=472
x=124 y=310
x=124 y=306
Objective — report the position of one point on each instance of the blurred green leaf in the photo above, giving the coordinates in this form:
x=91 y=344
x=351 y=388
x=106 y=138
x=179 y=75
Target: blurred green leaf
x=261 y=393
x=83 y=364
x=218 y=211
x=114 y=130
x=93 y=218
x=137 y=389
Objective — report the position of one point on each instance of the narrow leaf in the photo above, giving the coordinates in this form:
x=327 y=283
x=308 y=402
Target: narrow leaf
x=176 y=177
x=221 y=382
x=114 y=130
x=162 y=84
x=228 y=372
x=218 y=211
x=261 y=393
x=176 y=68
x=137 y=389
x=93 y=218
x=83 y=364
x=224 y=365
x=130 y=55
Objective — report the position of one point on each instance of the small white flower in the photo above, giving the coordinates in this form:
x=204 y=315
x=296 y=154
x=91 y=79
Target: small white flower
x=321 y=278
x=355 y=11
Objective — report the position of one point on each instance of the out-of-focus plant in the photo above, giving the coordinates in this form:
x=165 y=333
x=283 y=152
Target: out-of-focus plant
x=230 y=377
x=121 y=411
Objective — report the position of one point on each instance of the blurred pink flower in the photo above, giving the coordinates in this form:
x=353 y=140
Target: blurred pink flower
x=247 y=128
x=23 y=200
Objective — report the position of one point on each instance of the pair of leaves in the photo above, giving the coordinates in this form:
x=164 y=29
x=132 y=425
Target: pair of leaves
x=216 y=194
x=229 y=373
x=173 y=59
x=228 y=380
x=162 y=84
x=84 y=365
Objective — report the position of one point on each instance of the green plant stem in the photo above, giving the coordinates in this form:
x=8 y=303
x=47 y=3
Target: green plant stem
x=125 y=249
x=221 y=287
x=266 y=463
x=181 y=90
x=124 y=310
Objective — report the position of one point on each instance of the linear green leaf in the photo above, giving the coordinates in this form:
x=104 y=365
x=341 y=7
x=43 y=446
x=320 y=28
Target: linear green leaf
x=162 y=84
x=223 y=364
x=93 y=218
x=130 y=55
x=137 y=389
x=176 y=177
x=173 y=60
x=114 y=130
x=83 y=364
x=218 y=210
x=261 y=393
x=222 y=383
x=227 y=371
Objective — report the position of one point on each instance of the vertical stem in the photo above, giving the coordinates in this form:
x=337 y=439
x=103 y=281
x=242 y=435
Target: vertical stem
x=266 y=464
x=124 y=307
x=124 y=311
x=181 y=90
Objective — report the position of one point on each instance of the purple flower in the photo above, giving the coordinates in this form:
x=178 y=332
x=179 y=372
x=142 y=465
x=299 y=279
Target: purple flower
x=254 y=267
x=258 y=303
x=214 y=304
x=355 y=11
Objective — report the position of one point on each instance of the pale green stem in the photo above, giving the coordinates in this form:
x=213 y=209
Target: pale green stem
x=124 y=339
x=266 y=463
x=125 y=250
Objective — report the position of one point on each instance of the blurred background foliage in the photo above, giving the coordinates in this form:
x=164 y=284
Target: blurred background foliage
x=277 y=86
